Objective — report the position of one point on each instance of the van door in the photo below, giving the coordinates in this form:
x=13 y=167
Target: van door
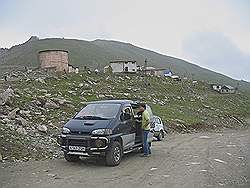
x=127 y=127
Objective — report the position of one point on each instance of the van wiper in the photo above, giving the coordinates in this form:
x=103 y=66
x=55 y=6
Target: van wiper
x=91 y=117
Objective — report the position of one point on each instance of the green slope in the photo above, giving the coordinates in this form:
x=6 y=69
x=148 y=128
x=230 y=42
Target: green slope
x=98 y=53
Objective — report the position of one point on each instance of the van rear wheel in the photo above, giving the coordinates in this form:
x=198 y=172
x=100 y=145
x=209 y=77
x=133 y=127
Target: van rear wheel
x=71 y=158
x=160 y=136
x=114 y=154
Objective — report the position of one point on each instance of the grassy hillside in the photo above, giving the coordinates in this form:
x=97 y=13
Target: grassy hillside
x=98 y=53
x=183 y=106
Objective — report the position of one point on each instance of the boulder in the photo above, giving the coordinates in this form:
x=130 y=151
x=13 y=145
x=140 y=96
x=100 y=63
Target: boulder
x=51 y=105
x=22 y=121
x=6 y=96
x=41 y=80
x=12 y=114
x=21 y=130
x=42 y=128
x=40 y=101
x=70 y=106
x=60 y=101
x=24 y=113
x=100 y=96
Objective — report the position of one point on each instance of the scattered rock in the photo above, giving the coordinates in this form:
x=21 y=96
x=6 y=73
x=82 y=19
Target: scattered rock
x=52 y=175
x=101 y=96
x=41 y=80
x=204 y=137
x=40 y=101
x=60 y=101
x=42 y=128
x=21 y=130
x=165 y=175
x=220 y=161
x=22 y=121
x=51 y=105
x=204 y=170
x=193 y=163
x=13 y=113
x=24 y=113
x=206 y=106
x=152 y=169
x=6 y=96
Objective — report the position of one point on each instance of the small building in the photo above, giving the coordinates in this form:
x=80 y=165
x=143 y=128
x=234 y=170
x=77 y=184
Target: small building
x=77 y=70
x=154 y=71
x=56 y=60
x=139 y=68
x=216 y=87
x=123 y=66
x=226 y=89
x=223 y=89
x=73 y=69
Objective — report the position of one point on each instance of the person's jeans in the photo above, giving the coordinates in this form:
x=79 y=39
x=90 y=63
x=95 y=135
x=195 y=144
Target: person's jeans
x=146 y=147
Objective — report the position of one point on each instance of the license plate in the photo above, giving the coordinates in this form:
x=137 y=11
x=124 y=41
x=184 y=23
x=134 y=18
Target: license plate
x=77 y=148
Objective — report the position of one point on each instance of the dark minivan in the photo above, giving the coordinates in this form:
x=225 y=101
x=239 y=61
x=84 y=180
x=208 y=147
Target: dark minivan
x=108 y=128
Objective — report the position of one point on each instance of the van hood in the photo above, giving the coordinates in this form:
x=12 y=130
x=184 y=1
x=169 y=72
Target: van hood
x=86 y=126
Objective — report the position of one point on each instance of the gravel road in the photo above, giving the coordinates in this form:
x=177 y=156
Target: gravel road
x=181 y=160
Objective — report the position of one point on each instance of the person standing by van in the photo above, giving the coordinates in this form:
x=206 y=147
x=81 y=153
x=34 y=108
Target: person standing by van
x=145 y=129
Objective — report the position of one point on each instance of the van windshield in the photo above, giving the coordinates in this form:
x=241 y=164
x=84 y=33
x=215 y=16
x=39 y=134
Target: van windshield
x=98 y=111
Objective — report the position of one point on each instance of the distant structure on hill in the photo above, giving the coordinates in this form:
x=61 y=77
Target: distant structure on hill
x=131 y=67
x=223 y=89
x=56 y=60
x=123 y=66
x=168 y=73
x=154 y=71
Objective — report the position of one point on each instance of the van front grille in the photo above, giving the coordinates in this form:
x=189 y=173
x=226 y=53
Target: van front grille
x=76 y=142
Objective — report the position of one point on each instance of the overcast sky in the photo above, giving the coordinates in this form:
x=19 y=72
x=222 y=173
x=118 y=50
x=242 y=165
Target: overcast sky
x=211 y=33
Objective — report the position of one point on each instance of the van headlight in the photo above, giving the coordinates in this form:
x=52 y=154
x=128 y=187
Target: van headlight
x=65 y=130
x=102 y=132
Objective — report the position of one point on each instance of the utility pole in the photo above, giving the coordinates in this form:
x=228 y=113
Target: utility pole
x=145 y=66
x=145 y=72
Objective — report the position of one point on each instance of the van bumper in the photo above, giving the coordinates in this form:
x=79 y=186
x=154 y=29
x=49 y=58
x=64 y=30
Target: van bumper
x=83 y=145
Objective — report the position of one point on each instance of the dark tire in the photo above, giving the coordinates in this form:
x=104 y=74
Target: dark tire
x=114 y=154
x=161 y=136
x=141 y=150
x=71 y=158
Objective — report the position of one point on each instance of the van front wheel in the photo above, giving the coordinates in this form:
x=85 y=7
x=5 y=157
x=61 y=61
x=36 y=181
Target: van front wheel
x=114 y=154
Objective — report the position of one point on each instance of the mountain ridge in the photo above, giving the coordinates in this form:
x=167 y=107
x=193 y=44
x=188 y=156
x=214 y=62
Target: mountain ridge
x=98 y=53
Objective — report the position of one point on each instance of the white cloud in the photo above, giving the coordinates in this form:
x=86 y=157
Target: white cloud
x=161 y=25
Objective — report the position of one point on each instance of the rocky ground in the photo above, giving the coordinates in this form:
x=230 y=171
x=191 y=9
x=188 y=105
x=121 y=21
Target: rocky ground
x=34 y=106
x=199 y=160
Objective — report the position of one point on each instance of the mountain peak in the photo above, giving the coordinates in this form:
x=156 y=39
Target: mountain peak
x=33 y=38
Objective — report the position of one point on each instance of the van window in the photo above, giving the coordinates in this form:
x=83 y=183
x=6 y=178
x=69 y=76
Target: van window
x=101 y=110
x=127 y=111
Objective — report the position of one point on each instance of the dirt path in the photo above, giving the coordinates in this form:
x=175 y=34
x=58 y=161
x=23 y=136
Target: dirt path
x=189 y=160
